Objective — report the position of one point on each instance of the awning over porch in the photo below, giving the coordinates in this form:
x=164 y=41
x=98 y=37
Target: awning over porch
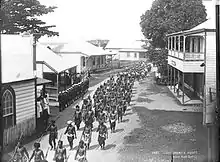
x=42 y=81
x=54 y=62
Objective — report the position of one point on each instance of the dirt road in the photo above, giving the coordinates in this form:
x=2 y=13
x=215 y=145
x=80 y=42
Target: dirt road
x=153 y=127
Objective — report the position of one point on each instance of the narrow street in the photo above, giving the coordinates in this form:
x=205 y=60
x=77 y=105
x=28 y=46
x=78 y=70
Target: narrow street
x=154 y=126
x=164 y=127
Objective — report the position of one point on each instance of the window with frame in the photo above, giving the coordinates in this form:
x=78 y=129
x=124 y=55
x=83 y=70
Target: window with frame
x=173 y=43
x=193 y=44
x=93 y=61
x=181 y=43
x=187 y=44
x=128 y=54
x=135 y=55
x=177 y=43
x=8 y=107
x=169 y=45
x=84 y=61
x=199 y=45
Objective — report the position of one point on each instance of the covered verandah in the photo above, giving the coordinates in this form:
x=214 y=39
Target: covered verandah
x=186 y=87
x=53 y=67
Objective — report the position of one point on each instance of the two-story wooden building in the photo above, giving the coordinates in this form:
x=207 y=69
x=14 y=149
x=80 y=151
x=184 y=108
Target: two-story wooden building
x=19 y=88
x=192 y=58
x=192 y=61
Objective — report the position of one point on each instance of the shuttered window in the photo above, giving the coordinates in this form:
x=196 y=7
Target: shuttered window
x=8 y=106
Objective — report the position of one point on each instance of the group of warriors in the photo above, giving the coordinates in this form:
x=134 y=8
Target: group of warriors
x=68 y=96
x=109 y=104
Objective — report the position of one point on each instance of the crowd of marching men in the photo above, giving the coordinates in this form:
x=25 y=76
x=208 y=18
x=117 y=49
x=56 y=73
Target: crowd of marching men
x=109 y=105
x=68 y=96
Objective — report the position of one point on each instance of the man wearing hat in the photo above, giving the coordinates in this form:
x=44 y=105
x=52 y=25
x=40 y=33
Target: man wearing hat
x=71 y=133
x=37 y=153
x=52 y=134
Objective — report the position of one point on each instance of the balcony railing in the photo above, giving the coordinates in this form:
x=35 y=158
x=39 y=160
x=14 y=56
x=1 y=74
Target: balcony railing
x=188 y=56
x=194 y=56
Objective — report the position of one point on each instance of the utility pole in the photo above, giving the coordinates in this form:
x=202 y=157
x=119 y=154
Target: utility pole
x=1 y=111
x=217 y=20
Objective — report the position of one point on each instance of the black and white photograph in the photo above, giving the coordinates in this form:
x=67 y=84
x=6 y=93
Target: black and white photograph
x=109 y=80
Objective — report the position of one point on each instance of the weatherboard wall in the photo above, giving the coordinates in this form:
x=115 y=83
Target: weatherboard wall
x=25 y=112
x=210 y=77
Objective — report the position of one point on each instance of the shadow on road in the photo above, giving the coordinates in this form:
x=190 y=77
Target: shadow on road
x=68 y=147
x=110 y=146
x=93 y=147
x=119 y=130
x=125 y=120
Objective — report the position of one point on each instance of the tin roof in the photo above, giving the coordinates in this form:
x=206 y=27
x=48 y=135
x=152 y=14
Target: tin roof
x=56 y=62
x=17 y=58
x=208 y=25
x=82 y=47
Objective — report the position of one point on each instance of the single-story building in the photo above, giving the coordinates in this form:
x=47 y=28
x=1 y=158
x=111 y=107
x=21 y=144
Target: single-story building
x=59 y=70
x=19 y=88
x=127 y=51
x=87 y=56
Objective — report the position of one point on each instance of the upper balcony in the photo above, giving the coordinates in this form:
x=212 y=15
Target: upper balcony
x=186 y=48
x=187 y=56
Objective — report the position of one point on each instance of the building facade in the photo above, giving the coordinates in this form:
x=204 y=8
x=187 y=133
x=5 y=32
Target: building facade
x=192 y=58
x=60 y=71
x=192 y=66
x=127 y=51
x=19 y=88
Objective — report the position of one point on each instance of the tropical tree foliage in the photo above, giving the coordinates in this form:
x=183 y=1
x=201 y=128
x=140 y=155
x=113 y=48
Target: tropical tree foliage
x=24 y=15
x=168 y=16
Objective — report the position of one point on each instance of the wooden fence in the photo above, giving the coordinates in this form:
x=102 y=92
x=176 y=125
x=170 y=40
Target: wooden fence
x=11 y=135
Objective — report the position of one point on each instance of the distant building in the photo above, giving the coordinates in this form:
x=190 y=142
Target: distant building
x=127 y=51
x=86 y=55
x=19 y=88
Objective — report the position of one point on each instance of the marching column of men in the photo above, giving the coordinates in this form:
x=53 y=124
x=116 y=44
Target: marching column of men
x=68 y=96
x=110 y=102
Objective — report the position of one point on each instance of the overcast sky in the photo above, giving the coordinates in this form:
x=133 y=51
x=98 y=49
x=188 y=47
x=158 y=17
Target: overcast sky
x=104 y=19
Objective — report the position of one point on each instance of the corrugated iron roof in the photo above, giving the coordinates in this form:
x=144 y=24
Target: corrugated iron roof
x=17 y=58
x=207 y=25
x=80 y=47
x=55 y=61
